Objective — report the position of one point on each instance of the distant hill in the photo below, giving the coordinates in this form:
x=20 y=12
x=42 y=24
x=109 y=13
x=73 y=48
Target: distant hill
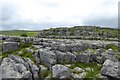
x=80 y=32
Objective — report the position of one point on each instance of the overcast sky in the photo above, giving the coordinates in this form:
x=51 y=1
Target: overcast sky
x=41 y=14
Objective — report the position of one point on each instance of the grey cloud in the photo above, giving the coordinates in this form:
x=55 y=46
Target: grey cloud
x=119 y=15
x=8 y=11
x=34 y=26
x=111 y=22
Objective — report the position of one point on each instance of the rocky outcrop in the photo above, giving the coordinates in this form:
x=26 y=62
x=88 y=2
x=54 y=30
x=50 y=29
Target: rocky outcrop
x=16 y=67
x=65 y=57
x=10 y=46
x=79 y=32
x=111 y=69
x=60 y=71
x=78 y=72
x=85 y=57
x=26 y=39
x=50 y=55
x=13 y=39
x=11 y=69
x=47 y=57
x=33 y=68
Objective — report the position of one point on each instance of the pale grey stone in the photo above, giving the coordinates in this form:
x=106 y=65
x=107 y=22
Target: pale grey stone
x=111 y=68
x=60 y=71
x=47 y=57
x=10 y=46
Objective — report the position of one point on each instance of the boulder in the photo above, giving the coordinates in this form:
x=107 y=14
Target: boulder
x=42 y=68
x=106 y=55
x=10 y=46
x=62 y=47
x=60 y=71
x=30 y=50
x=17 y=59
x=27 y=74
x=36 y=41
x=111 y=52
x=85 y=58
x=15 y=67
x=47 y=57
x=78 y=70
x=37 y=57
x=111 y=69
x=10 y=69
x=13 y=39
x=45 y=44
x=32 y=67
x=65 y=57
x=27 y=40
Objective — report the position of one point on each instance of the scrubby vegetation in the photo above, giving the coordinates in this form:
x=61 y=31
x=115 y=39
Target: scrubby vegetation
x=112 y=46
x=23 y=35
x=19 y=33
x=22 y=47
x=87 y=32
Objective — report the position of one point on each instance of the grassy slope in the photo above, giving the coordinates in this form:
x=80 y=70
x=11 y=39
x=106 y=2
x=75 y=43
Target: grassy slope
x=114 y=32
x=72 y=30
x=19 y=32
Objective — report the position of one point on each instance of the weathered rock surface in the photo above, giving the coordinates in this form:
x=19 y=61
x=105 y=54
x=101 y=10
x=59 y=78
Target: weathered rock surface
x=78 y=70
x=13 y=39
x=10 y=69
x=111 y=69
x=53 y=52
x=10 y=46
x=15 y=67
x=65 y=57
x=79 y=32
x=47 y=57
x=80 y=75
x=60 y=71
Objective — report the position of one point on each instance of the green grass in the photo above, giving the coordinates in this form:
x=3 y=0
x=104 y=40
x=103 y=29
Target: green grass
x=19 y=32
x=89 y=74
x=118 y=56
x=21 y=47
x=24 y=45
x=26 y=54
x=1 y=41
x=113 y=47
x=45 y=74
x=10 y=52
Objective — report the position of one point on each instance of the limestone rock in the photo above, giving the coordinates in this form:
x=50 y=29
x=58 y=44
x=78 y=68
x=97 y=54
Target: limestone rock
x=10 y=46
x=47 y=57
x=111 y=68
x=78 y=70
x=42 y=69
x=15 y=67
x=80 y=75
x=65 y=57
x=60 y=71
